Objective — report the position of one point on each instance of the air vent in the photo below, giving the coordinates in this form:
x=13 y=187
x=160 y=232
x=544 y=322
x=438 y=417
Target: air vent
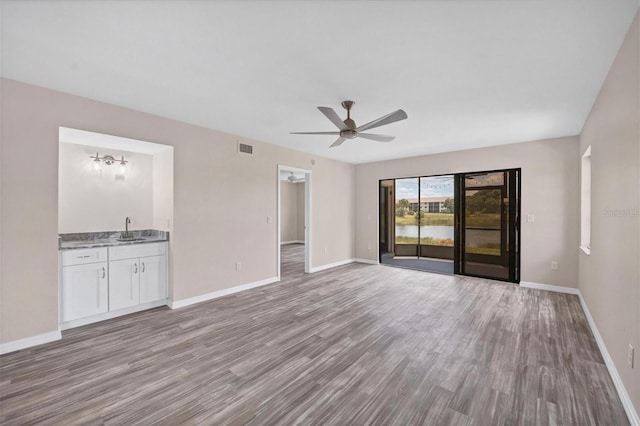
x=245 y=148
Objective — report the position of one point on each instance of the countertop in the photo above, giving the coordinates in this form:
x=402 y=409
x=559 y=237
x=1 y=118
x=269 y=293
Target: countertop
x=108 y=239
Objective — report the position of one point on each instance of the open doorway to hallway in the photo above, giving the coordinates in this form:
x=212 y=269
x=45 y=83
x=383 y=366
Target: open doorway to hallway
x=293 y=221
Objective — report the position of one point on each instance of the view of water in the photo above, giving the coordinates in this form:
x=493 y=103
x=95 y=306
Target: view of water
x=433 y=231
x=475 y=237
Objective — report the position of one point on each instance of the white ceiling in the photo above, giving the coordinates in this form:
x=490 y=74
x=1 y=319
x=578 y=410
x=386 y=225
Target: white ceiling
x=468 y=73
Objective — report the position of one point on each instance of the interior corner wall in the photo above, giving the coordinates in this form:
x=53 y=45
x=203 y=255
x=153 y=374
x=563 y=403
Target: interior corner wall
x=288 y=211
x=163 y=190
x=610 y=275
x=95 y=201
x=549 y=192
x=300 y=188
x=225 y=202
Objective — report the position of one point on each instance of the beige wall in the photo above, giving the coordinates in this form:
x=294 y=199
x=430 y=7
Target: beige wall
x=91 y=201
x=549 y=191
x=215 y=224
x=288 y=211
x=610 y=276
x=163 y=190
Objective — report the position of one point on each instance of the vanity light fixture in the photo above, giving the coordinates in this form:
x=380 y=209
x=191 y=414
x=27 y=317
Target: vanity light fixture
x=108 y=160
x=122 y=168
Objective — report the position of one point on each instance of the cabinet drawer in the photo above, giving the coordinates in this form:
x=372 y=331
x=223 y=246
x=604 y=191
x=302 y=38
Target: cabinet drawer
x=137 y=250
x=82 y=256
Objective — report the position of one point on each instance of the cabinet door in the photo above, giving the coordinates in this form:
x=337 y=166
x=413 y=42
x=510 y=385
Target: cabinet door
x=84 y=290
x=153 y=278
x=124 y=283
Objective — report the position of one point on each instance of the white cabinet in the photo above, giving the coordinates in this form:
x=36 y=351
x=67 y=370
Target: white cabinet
x=85 y=284
x=153 y=278
x=135 y=281
x=138 y=274
x=102 y=283
x=124 y=284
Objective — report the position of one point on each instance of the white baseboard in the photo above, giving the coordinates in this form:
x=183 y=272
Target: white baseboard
x=331 y=265
x=367 y=261
x=113 y=314
x=292 y=242
x=29 y=342
x=617 y=381
x=613 y=372
x=214 y=295
x=342 y=263
x=549 y=287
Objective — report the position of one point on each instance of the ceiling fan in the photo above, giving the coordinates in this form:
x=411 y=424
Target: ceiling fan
x=293 y=179
x=348 y=128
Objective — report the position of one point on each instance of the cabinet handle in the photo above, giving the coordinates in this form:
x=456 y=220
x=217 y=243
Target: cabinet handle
x=104 y=273
x=135 y=270
x=142 y=266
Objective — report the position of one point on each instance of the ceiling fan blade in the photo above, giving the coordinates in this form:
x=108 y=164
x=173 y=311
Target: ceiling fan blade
x=314 y=133
x=333 y=117
x=377 y=138
x=338 y=142
x=387 y=119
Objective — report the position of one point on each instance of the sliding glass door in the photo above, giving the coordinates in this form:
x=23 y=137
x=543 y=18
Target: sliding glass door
x=488 y=213
x=465 y=223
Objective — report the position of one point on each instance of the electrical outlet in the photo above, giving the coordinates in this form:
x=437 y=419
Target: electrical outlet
x=531 y=218
x=630 y=354
x=326 y=250
x=554 y=266
x=369 y=246
x=238 y=266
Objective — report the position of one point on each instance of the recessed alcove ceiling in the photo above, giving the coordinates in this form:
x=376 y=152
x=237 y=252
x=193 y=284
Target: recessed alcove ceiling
x=101 y=140
x=468 y=73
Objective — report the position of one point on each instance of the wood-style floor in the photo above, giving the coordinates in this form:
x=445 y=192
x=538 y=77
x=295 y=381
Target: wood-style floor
x=359 y=344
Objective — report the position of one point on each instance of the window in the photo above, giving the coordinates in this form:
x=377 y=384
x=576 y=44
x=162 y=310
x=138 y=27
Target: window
x=585 y=202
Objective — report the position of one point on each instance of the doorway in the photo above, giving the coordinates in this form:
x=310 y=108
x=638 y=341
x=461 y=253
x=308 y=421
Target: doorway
x=417 y=223
x=294 y=219
x=465 y=223
x=488 y=211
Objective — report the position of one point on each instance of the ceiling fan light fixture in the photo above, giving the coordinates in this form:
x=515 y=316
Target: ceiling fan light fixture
x=348 y=129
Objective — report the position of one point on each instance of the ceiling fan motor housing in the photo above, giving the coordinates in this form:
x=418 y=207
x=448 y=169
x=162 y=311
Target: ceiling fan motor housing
x=351 y=125
x=351 y=133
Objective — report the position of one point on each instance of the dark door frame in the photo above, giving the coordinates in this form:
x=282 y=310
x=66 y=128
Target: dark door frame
x=513 y=179
x=514 y=187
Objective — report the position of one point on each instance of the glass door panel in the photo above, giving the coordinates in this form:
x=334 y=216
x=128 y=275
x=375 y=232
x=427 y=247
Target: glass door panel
x=483 y=222
x=407 y=210
x=436 y=217
x=489 y=208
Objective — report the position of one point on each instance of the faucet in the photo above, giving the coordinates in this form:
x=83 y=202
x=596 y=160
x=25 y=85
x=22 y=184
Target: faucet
x=127 y=221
